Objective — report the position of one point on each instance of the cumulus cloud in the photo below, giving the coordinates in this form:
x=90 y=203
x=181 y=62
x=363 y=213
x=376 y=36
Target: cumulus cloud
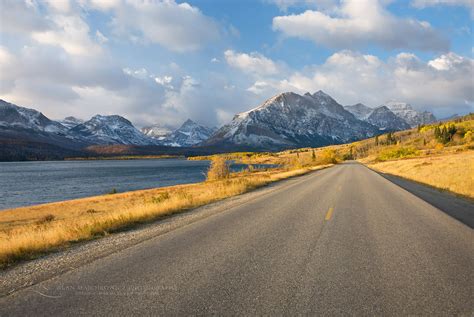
x=361 y=23
x=253 y=63
x=21 y=17
x=443 y=84
x=71 y=33
x=179 y=27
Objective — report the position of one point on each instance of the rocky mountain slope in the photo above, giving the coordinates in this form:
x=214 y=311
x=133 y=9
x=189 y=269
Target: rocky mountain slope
x=386 y=120
x=393 y=116
x=411 y=116
x=189 y=134
x=13 y=116
x=71 y=122
x=360 y=111
x=291 y=120
x=112 y=129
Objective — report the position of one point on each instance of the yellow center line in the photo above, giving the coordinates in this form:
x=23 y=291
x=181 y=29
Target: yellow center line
x=329 y=214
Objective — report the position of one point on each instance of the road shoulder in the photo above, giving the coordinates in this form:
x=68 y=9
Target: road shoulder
x=461 y=209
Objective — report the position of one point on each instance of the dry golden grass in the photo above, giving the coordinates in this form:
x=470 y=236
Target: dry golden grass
x=29 y=231
x=453 y=172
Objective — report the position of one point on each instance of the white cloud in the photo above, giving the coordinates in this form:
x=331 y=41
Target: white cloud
x=21 y=17
x=140 y=73
x=178 y=27
x=253 y=63
x=62 y=6
x=165 y=81
x=71 y=33
x=444 y=84
x=360 y=23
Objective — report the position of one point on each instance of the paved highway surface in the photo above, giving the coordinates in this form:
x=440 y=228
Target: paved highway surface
x=343 y=240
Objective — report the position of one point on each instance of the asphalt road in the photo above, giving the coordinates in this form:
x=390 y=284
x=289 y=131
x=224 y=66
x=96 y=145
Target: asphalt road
x=342 y=241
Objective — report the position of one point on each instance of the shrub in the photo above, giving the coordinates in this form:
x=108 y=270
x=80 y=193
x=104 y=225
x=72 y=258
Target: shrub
x=328 y=156
x=397 y=153
x=219 y=169
x=113 y=191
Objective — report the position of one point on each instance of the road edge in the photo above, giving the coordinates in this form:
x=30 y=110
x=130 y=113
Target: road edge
x=30 y=272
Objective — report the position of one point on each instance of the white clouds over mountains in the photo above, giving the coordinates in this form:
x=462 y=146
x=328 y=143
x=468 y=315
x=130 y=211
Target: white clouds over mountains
x=439 y=85
x=78 y=58
x=359 y=23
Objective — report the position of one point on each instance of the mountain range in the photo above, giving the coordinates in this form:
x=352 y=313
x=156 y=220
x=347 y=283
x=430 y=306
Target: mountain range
x=287 y=120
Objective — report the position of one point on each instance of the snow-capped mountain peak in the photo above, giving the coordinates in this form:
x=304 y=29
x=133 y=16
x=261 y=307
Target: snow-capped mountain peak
x=291 y=120
x=112 y=129
x=71 y=122
x=360 y=111
x=14 y=116
x=386 y=120
x=411 y=116
x=190 y=133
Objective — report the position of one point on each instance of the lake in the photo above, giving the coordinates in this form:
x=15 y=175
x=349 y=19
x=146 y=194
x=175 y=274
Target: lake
x=32 y=183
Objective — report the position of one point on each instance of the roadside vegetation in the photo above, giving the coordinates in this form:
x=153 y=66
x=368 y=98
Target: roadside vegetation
x=31 y=231
x=452 y=172
x=440 y=154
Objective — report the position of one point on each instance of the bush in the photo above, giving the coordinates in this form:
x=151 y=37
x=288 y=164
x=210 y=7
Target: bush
x=113 y=191
x=397 y=153
x=328 y=156
x=219 y=169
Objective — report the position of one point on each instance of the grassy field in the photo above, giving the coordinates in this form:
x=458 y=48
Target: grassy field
x=452 y=172
x=30 y=231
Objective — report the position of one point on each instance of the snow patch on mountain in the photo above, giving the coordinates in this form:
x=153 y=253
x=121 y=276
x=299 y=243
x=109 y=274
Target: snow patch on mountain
x=156 y=131
x=290 y=120
x=411 y=116
x=360 y=111
x=386 y=120
x=189 y=134
x=112 y=129
x=14 y=116
x=71 y=122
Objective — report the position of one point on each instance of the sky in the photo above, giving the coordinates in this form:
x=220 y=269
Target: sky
x=164 y=61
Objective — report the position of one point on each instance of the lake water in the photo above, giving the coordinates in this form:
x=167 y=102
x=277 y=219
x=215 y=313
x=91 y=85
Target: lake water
x=32 y=183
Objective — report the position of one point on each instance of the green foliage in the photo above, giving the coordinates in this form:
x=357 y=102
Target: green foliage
x=444 y=134
x=113 y=191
